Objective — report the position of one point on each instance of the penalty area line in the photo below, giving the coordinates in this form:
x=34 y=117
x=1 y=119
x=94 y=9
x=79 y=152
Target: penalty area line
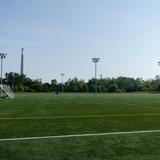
x=78 y=135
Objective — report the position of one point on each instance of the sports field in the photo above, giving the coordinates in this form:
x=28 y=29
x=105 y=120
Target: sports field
x=80 y=127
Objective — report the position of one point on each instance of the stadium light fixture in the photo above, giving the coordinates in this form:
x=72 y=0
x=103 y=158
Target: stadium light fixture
x=95 y=61
x=62 y=74
x=2 y=56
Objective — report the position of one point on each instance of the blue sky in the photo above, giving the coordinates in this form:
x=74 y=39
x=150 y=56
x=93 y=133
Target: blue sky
x=63 y=35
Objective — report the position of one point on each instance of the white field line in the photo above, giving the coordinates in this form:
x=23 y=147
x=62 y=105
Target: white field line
x=78 y=135
x=83 y=116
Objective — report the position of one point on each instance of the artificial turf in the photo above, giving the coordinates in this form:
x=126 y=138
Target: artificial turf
x=42 y=114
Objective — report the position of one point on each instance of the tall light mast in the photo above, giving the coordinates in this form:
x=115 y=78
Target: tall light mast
x=62 y=74
x=22 y=62
x=95 y=60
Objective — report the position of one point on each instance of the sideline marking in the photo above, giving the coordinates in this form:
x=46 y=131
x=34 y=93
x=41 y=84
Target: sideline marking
x=87 y=116
x=78 y=135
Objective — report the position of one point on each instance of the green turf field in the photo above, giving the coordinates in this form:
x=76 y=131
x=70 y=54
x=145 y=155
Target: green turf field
x=38 y=115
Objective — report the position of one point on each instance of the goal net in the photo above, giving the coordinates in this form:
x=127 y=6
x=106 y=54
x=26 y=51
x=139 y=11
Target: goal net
x=7 y=90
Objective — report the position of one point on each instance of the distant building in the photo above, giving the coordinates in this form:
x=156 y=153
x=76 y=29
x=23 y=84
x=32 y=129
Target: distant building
x=22 y=62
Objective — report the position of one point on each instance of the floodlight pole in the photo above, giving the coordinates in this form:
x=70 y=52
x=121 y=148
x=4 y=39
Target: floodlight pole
x=95 y=60
x=101 y=76
x=13 y=80
x=62 y=74
x=2 y=56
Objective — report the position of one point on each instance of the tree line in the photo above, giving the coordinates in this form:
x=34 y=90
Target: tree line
x=22 y=83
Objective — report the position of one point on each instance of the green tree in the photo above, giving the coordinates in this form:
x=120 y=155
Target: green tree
x=53 y=85
x=113 y=88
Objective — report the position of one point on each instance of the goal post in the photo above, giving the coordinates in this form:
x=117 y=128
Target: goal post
x=7 y=90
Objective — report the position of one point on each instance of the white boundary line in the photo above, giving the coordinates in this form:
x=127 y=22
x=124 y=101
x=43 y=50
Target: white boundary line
x=78 y=135
x=83 y=116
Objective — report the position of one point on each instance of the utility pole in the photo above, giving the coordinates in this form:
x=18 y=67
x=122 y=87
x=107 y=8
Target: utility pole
x=2 y=56
x=95 y=60
x=62 y=74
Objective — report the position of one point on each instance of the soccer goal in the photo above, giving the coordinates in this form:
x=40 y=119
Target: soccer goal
x=7 y=90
